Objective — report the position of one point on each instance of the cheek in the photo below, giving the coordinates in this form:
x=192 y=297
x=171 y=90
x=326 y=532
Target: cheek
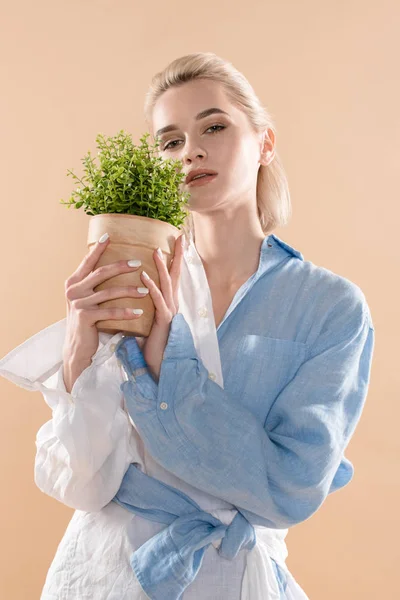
x=239 y=152
x=245 y=162
x=241 y=166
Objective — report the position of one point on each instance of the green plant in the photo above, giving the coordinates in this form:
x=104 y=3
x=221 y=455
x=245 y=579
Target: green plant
x=131 y=180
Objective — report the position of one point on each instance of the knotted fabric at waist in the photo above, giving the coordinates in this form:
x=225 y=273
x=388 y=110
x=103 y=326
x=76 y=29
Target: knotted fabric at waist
x=168 y=562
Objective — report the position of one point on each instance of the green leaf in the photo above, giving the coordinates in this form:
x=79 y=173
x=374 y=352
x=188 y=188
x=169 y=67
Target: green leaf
x=130 y=180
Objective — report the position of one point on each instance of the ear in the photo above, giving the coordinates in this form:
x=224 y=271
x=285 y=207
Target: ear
x=267 y=151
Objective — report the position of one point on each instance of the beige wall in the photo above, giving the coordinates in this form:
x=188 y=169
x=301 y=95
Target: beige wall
x=328 y=71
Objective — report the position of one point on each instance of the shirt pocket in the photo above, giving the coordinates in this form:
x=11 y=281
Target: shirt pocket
x=261 y=367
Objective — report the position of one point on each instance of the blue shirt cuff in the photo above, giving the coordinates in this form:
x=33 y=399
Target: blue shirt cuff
x=180 y=342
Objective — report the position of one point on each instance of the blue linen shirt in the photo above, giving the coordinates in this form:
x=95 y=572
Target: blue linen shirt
x=296 y=347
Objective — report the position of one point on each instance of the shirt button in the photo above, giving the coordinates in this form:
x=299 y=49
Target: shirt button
x=112 y=347
x=212 y=376
x=163 y=405
x=202 y=312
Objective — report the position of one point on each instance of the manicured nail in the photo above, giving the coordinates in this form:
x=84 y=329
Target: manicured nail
x=103 y=238
x=134 y=263
x=143 y=290
x=145 y=275
x=159 y=253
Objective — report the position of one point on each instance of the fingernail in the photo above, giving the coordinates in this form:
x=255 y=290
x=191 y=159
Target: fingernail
x=159 y=253
x=103 y=238
x=183 y=240
x=143 y=290
x=145 y=275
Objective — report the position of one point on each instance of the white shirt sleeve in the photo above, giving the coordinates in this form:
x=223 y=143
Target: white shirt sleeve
x=84 y=450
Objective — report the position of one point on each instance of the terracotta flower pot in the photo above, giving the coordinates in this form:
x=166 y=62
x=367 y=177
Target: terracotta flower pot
x=131 y=237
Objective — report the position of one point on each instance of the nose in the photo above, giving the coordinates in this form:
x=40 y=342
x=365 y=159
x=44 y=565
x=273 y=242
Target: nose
x=189 y=158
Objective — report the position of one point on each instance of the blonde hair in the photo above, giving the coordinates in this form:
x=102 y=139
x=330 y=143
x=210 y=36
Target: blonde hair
x=273 y=198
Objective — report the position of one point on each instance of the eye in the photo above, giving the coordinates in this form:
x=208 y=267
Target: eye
x=166 y=147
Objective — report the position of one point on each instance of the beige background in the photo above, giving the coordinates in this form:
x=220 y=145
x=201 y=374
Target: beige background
x=329 y=73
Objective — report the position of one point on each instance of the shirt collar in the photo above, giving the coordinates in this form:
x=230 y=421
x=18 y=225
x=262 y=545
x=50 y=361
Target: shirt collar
x=271 y=238
x=273 y=252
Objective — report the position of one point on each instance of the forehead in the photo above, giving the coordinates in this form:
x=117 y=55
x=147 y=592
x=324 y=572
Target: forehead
x=185 y=101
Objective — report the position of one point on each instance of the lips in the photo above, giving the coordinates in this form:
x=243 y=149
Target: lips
x=201 y=181
x=195 y=172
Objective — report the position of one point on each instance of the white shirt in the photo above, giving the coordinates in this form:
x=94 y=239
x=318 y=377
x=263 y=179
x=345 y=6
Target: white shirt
x=86 y=448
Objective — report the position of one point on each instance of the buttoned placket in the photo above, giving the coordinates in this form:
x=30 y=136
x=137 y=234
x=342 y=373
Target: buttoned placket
x=194 y=263
x=202 y=311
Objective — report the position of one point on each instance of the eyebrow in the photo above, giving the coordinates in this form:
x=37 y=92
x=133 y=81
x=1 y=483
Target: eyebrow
x=202 y=115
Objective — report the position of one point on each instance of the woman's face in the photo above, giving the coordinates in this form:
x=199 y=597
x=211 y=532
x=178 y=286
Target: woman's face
x=224 y=143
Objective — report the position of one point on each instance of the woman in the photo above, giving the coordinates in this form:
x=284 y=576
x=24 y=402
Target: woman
x=235 y=412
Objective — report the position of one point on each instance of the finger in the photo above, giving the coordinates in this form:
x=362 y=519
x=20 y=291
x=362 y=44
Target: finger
x=89 y=262
x=176 y=269
x=177 y=259
x=165 y=281
x=157 y=297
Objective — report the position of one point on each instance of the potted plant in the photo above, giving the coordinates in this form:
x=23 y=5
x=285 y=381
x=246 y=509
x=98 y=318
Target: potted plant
x=133 y=195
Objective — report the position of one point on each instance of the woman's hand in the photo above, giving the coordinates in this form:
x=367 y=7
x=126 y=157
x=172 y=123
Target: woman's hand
x=166 y=306
x=83 y=310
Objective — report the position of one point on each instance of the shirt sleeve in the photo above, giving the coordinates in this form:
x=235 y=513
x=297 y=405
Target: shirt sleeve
x=277 y=473
x=83 y=452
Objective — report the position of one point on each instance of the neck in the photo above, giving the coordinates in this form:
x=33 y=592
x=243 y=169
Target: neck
x=228 y=247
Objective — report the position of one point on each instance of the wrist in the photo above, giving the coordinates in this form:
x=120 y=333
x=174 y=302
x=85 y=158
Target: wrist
x=72 y=369
x=155 y=373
